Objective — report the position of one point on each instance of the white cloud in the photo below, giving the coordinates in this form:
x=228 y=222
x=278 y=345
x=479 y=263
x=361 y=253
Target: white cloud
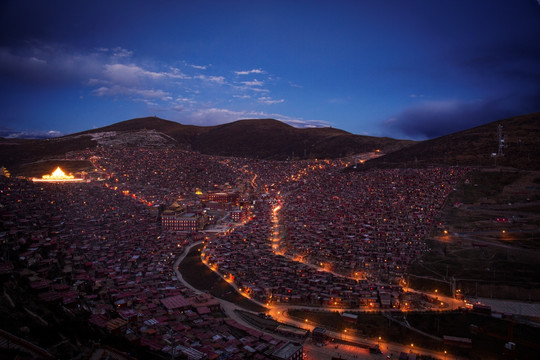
x=152 y=94
x=117 y=90
x=128 y=74
x=93 y=82
x=146 y=101
x=176 y=73
x=33 y=134
x=37 y=61
x=131 y=75
x=259 y=90
x=118 y=52
x=300 y=123
x=215 y=116
x=121 y=52
x=216 y=79
x=200 y=67
x=252 y=71
x=185 y=100
x=244 y=88
x=269 y=101
x=253 y=83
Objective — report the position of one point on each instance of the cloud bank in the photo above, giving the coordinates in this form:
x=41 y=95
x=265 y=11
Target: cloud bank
x=202 y=97
x=217 y=116
x=511 y=72
x=436 y=118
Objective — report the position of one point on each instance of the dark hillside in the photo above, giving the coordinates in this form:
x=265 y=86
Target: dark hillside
x=253 y=138
x=476 y=147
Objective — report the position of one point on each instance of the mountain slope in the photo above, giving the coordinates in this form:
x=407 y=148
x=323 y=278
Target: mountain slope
x=183 y=134
x=259 y=138
x=475 y=146
x=272 y=139
x=255 y=138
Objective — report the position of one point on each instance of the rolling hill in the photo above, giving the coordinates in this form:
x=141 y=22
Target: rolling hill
x=260 y=138
x=273 y=139
x=476 y=146
x=255 y=138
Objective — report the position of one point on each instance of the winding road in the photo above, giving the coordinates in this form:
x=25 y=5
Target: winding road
x=311 y=350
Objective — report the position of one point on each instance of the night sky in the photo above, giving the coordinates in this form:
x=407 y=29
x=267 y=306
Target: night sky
x=413 y=69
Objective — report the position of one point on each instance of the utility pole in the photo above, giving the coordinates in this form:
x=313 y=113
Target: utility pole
x=501 y=140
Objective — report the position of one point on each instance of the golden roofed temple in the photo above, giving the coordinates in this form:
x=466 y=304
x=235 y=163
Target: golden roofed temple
x=57 y=176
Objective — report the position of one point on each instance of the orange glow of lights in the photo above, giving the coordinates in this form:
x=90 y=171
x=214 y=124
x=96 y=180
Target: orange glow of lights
x=57 y=176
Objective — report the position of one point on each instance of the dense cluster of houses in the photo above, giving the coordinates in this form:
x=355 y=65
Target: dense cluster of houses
x=311 y=234
x=247 y=258
x=88 y=247
x=365 y=224
x=337 y=238
x=161 y=176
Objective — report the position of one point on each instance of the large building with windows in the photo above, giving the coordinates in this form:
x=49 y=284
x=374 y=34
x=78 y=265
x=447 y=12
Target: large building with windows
x=188 y=222
x=223 y=197
x=240 y=215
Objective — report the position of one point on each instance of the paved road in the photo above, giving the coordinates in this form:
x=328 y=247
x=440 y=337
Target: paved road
x=179 y=260
x=512 y=307
x=311 y=350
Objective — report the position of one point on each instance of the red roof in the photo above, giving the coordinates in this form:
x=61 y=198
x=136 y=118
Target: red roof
x=175 y=302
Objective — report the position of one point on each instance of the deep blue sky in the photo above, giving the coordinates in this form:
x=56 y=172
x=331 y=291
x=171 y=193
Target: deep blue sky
x=400 y=68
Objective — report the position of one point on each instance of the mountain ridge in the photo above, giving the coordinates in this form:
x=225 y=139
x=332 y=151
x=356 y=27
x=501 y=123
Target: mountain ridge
x=259 y=138
x=476 y=146
x=276 y=140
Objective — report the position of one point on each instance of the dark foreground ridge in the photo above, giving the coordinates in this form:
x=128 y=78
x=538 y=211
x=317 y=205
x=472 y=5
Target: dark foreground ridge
x=478 y=146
